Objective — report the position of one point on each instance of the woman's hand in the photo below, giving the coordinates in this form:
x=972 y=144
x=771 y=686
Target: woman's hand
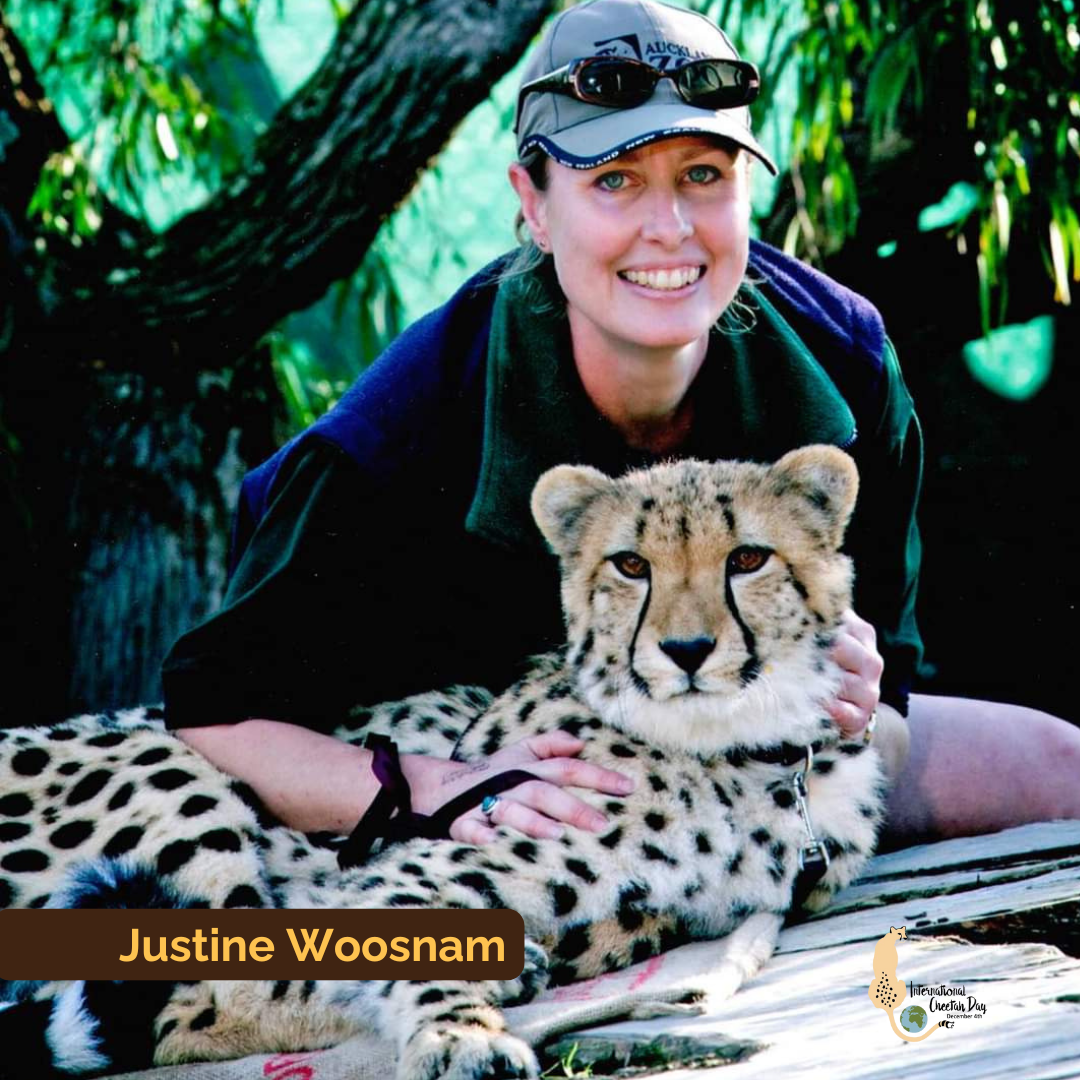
x=860 y=686
x=536 y=808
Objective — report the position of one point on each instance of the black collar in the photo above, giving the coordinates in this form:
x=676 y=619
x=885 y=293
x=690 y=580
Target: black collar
x=786 y=754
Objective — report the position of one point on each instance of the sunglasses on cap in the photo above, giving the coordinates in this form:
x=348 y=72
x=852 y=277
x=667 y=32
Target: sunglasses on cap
x=617 y=82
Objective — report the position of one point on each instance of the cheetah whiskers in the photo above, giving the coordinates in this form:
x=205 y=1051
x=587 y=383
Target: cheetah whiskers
x=623 y=684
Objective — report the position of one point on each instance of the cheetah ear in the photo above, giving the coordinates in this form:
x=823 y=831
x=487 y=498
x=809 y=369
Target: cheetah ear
x=825 y=480
x=559 y=501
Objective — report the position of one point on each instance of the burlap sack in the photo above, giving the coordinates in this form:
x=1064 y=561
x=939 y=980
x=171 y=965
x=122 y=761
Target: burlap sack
x=677 y=981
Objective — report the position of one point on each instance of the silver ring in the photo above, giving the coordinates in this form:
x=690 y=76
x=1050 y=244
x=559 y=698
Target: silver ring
x=868 y=731
x=487 y=807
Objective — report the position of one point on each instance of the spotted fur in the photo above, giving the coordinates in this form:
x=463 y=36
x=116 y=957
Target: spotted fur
x=701 y=602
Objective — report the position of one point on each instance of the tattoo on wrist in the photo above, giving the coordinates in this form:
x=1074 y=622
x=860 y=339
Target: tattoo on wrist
x=468 y=770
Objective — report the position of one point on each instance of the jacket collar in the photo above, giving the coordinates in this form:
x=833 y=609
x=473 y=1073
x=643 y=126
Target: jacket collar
x=759 y=394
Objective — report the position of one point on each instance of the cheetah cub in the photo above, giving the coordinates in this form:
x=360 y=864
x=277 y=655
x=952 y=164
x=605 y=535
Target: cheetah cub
x=701 y=602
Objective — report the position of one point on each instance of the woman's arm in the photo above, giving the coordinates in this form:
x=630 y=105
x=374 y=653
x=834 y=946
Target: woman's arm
x=315 y=782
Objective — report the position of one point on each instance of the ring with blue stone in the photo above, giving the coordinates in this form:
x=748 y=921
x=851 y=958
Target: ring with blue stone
x=487 y=807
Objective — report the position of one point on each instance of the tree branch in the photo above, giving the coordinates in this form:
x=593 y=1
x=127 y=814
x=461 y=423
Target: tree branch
x=339 y=157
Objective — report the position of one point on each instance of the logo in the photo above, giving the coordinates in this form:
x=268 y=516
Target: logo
x=888 y=992
x=661 y=54
x=626 y=45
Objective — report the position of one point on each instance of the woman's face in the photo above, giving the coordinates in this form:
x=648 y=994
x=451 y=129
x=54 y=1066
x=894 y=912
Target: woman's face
x=650 y=248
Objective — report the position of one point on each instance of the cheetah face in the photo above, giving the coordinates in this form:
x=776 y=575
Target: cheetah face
x=700 y=598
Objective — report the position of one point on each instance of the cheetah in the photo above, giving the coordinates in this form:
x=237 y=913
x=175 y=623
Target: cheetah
x=701 y=602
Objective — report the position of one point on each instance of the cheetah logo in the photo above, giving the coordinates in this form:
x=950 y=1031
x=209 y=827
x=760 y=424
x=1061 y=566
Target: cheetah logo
x=887 y=991
x=626 y=45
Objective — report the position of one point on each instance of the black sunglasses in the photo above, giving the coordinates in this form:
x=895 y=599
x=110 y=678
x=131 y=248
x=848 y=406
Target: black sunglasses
x=617 y=82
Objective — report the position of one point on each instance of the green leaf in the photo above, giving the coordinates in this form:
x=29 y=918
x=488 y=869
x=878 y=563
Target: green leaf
x=1014 y=361
x=896 y=64
x=957 y=203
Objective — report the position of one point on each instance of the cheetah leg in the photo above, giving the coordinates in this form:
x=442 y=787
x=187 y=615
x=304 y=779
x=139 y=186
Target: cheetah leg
x=454 y=1031
x=533 y=977
x=218 y=1020
x=451 y=1029
x=613 y=947
x=743 y=953
x=435 y=1025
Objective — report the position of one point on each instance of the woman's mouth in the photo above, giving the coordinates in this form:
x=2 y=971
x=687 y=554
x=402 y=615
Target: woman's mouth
x=669 y=280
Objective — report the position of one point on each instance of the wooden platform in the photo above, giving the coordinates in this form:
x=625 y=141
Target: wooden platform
x=998 y=915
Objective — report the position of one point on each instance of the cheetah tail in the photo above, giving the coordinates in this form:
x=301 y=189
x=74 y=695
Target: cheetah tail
x=57 y=1031
x=85 y=1029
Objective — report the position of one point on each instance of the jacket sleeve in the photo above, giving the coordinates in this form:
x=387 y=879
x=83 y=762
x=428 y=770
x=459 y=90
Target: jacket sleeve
x=276 y=648
x=884 y=535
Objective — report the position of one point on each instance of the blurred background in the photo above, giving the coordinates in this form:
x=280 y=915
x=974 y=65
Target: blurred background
x=215 y=213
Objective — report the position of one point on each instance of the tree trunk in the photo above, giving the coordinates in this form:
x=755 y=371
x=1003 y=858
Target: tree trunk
x=133 y=393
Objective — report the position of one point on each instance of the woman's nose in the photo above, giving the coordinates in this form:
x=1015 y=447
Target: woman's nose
x=667 y=220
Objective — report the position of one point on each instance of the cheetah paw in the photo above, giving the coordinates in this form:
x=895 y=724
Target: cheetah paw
x=466 y=1052
x=533 y=977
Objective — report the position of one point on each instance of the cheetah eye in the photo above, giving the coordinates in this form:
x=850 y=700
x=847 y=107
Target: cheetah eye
x=631 y=565
x=746 y=560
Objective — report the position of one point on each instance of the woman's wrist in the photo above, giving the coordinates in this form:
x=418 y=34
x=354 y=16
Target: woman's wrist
x=435 y=781
x=425 y=775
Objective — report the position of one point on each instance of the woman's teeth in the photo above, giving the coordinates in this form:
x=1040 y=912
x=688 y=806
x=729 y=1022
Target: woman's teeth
x=663 y=279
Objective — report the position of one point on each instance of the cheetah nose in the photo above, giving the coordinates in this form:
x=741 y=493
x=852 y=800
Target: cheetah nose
x=689 y=655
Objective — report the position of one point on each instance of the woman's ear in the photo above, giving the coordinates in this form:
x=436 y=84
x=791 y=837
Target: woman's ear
x=533 y=207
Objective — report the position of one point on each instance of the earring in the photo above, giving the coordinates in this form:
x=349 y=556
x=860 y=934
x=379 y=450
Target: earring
x=541 y=243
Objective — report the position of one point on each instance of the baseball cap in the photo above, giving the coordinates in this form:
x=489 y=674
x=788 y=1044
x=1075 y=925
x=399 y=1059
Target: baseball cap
x=583 y=135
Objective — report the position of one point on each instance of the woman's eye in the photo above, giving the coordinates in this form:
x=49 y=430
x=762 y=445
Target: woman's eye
x=702 y=174
x=748 y=559
x=631 y=565
x=611 y=181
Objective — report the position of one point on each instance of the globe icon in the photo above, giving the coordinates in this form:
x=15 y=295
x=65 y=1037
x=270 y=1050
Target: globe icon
x=913 y=1018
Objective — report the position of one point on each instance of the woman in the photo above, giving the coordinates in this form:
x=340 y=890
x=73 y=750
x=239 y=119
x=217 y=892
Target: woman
x=388 y=549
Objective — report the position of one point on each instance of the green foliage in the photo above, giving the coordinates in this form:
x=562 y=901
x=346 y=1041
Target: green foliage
x=317 y=354
x=161 y=91
x=959 y=201
x=565 y=1069
x=1014 y=361
x=875 y=77
x=162 y=98
x=130 y=82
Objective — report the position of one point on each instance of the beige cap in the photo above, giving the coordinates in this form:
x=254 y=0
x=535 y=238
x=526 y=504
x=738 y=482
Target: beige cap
x=582 y=135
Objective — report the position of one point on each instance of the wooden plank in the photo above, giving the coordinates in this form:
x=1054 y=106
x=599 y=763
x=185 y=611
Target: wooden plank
x=1019 y=884
x=951 y=913
x=810 y=1012
x=1039 y=841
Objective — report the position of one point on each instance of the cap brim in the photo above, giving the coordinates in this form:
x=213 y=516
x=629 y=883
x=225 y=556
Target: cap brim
x=620 y=131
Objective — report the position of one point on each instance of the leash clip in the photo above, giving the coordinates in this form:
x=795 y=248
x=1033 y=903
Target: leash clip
x=813 y=857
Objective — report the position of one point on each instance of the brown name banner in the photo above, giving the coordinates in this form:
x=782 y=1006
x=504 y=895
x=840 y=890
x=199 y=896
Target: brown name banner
x=385 y=943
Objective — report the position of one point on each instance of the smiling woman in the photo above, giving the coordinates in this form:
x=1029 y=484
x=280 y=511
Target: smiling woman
x=389 y=549
x=668 y=243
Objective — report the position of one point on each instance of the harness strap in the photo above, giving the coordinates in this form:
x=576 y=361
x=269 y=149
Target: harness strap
x=390 y=816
